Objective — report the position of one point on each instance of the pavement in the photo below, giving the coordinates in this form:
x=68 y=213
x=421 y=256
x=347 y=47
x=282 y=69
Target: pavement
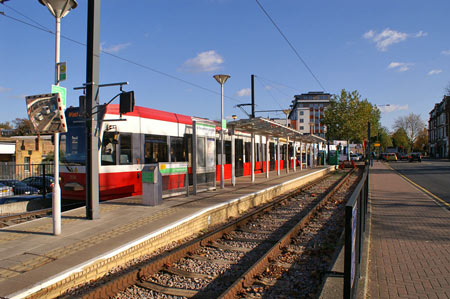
x=409 y=242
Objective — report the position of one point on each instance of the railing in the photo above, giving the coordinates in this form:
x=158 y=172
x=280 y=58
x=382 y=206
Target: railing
x=355 y=227
x=11 y=171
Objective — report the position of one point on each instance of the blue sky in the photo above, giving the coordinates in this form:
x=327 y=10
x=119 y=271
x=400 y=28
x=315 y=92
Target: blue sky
x=393 y=52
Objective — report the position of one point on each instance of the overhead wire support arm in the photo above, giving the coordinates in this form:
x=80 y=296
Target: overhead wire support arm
x=243 y=110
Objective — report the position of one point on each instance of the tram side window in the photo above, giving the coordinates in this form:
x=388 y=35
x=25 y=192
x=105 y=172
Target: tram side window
x=227 y=150
x=155 y=149
x=257 y=152
x=109 y=148
x=125 y=149
x=177 y=149
x=227 y=146
x=248 y=153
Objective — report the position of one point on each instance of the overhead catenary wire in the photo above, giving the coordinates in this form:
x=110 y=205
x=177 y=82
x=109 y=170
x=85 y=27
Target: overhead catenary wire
x=291 y=46
x=47 y=30
x=275 y=86
x=277 y=83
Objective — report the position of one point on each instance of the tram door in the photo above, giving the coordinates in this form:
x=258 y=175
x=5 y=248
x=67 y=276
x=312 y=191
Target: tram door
x=272 y=151
x=239 y=157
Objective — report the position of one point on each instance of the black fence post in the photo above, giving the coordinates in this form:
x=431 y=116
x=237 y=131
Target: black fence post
x=43 y=182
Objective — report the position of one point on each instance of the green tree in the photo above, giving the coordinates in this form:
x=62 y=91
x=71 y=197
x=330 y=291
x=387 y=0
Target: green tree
x=5 y=125
x=421 y=143
x=384 y=139
x=400 y=140
x=23 y=126
x=347 y=118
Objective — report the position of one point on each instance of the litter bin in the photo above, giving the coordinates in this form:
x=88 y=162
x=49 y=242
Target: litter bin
x=151 y=185
x=333 y=158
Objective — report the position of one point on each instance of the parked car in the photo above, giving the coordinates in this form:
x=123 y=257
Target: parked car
x=403 y=156
x=415 y=157
x=37 y=182
x=5 y=190
x=390 y=157
x=20 y=187
x=355 y=157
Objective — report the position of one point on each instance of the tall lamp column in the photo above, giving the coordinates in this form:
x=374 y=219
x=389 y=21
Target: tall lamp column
x=221 y=79
x=59 y=9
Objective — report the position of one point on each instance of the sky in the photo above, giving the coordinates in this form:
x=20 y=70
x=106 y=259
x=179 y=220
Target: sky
x=393 y=52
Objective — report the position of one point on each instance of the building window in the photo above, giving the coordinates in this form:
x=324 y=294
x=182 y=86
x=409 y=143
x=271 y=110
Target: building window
x=302 y=120
x=27 y=161
x=302 y=127
x=301 y=112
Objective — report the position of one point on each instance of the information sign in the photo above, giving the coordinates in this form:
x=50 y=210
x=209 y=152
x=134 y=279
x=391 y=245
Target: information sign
x=61 y=71
x=62 y=92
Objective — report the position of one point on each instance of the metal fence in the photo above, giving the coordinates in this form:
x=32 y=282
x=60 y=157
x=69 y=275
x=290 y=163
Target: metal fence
x=33 y=174
x=355 y=227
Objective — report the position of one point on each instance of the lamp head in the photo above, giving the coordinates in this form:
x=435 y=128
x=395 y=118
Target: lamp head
x=221 y=78
x=59 y=8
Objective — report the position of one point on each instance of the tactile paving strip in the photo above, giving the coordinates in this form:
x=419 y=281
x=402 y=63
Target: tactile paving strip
x=38 y=261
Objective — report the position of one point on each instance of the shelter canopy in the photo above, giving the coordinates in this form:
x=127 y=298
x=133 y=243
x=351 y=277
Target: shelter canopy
x=265 y=127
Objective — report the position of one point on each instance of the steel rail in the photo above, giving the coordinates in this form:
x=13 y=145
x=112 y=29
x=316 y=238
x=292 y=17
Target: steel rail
x=145 y=269
x=248 y=278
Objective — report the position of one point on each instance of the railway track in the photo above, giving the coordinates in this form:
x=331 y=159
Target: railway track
x=235 y=259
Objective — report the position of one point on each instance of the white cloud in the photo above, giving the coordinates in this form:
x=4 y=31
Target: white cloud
x=268 y=87
x=204 y=62
x=389 y=37
x=244 y=92
x=392 y=108
x=434 y=72
x=400 y=66
x=113 y=48
x=4 y=89
x=369 y=34
x=445 y=52
x=421 y=34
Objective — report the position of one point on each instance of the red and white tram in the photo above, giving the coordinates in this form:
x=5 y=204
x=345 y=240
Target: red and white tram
x=147 y=136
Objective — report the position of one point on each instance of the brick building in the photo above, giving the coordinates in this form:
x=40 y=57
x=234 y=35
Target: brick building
x=25 y=149
x=308 y=111
x=439 y=129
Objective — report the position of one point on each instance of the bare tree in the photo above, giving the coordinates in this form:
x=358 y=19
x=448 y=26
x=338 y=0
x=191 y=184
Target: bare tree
x=412 y=124
x=447 y=90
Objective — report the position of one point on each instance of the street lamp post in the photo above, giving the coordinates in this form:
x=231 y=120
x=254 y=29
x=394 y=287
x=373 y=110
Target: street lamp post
x=59 y=9
x=221 y=79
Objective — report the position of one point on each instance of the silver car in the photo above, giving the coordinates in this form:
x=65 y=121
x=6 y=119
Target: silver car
x=6 y=191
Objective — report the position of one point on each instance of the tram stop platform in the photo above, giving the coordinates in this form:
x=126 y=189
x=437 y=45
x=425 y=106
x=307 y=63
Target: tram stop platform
x=407 y=246
x=34 y=263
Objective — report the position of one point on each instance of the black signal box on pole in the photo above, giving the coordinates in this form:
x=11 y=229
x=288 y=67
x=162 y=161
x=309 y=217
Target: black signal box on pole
x=126 y=102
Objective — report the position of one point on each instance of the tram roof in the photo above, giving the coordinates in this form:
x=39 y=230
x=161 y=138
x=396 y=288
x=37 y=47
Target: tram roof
x=265 y=127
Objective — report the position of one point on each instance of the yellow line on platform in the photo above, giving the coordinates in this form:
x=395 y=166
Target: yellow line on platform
x=422 y=188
